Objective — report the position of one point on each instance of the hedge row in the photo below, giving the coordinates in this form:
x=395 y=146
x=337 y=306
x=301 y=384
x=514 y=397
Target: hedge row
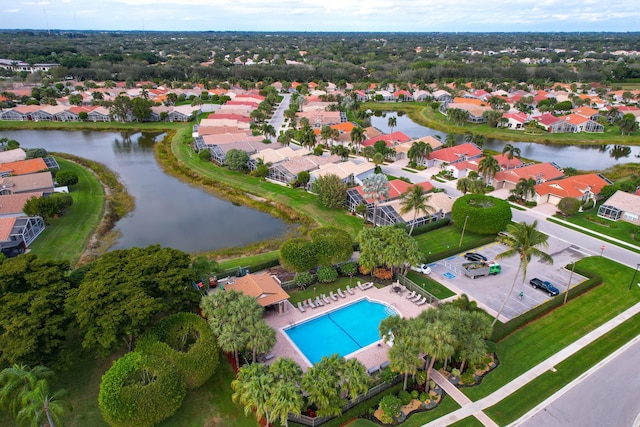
x=501 y=330
x=431 y=226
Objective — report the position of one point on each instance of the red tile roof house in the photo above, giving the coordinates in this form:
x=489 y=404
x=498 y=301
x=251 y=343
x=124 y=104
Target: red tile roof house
x=581 y=187
x=355 y=197
x=554 y=124
x=514 y=121
x=391 y=139
x=584 y=124
x=457 y=153
x=541 y=172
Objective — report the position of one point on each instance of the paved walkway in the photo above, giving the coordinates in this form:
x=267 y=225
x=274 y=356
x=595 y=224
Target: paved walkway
x=460 y=397
x=548 y=364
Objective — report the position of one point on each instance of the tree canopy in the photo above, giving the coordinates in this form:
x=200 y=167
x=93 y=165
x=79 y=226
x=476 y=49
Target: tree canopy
x=387 y=246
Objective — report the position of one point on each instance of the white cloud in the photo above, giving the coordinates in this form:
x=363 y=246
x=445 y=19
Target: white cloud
x=11 y=10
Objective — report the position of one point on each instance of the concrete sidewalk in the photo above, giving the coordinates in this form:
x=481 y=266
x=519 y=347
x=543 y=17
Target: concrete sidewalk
x=548 y=364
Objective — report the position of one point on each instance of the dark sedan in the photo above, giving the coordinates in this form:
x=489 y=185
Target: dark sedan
x=474 y=257
x=544 y=286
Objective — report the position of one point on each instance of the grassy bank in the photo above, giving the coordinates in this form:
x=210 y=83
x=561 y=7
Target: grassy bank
x=66 y=237
x=291 y=204
x=91 y=126
x=544 y=337
x=424 y=115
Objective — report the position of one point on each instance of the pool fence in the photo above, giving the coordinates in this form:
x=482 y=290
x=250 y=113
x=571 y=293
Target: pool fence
x=412 y=286
x=373 y=391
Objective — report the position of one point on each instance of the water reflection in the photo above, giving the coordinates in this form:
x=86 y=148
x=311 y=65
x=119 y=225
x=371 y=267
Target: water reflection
x=583 y=157
x=168 y=211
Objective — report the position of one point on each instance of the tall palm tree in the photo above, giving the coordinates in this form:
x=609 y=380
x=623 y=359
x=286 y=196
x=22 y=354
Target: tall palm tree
x=450 y=140
x=40 y=405
x=285 y=398
x=438 y=342
x=417 y=150
x=357 y=136
x=511 y=152
x=392 y=122
x=325 y=133
x=464 y=185
x=285 y=369
x=231 y=341
x=376 y=187
x=18 y=380
x=355 y=380
x=524 y=188
x=404 y=358
x=252 y=389
x=262 y=338
x=415 y=200
x=523 y=240
x=488 y=168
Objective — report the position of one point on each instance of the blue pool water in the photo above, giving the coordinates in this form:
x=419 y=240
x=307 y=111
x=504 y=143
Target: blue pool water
x=341 y=331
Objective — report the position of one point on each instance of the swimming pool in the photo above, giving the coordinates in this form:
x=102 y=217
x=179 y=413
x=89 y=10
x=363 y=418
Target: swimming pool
x=341 y=331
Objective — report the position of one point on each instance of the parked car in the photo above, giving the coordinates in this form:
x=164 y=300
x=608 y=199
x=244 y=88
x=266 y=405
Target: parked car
x=544 y=286
x=421 y=268
x=475 y=257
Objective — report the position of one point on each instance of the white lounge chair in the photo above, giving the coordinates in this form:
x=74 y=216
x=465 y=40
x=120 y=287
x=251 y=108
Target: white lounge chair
x=360 y=286
x=318 y=302
x=411 y=294
x=416 y=298
x=325 y=299
x=333 y=296
x=342 y=295
x=311 y=303
x=423 y=301
x=365 y=286
x=300 y=307
x=350 y=290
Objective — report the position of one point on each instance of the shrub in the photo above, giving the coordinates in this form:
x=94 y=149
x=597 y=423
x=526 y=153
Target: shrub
x=204 y=155
x=387 y=375
x=569 y=206
x=364 y=270
x=34 y=153
x=349 y=268
x=468 y=377
x=421 y=377
x=530 y=203
x=486 y=214
x=391 y=407
x=327 y=274
x=140 y=391
x=333 y=245
x=331 y=191
x=303 y=279
x=66 y=178
x=187 y=342
x=415 y=394
x=424 y=397
x=404 y=396
x=298 y=255
x=382 y=273
x=431 y=226
x=455 y=372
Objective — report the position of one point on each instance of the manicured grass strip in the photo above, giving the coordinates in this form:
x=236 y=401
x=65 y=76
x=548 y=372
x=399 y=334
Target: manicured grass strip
x=66 y=237
x=523 y=400
x=249 y=260
x=428 y=284
x=448 y=405
x=317 y=289
x=544 y=337
x=514 y=206
x=409 y=170
x=445 y=239
x=92 y=126
x=470 y=421
x=606 y=232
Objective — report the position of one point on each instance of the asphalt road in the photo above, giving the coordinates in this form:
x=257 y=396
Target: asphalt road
x=277 y=119
x=608 y=397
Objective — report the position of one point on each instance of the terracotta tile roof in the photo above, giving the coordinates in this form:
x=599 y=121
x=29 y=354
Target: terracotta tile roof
x=519 y=117
x=391 y=139
x=23 y=167
x=575 y=119
x=546 y=171
x=13 y=204
x=573 y=186
x=474 y=101
x=344 y=127
x=546 y=119
x=6 y=226
x=262 y=286
x=455 y=153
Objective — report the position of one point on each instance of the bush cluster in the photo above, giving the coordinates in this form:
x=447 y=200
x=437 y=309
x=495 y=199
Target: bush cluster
x=431 y=226
x=482 y=214
x=327 y=274
x=303 y=279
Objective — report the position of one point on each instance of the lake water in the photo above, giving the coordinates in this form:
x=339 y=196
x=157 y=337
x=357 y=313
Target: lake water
x=582 y=157
x=167 y=211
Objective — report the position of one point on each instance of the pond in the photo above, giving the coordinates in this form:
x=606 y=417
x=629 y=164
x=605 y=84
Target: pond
x=582 y=157
x=167 y=211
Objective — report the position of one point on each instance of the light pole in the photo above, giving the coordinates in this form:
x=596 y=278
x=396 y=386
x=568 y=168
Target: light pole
x=463 y=228
x=633 y=279
x=566 y=294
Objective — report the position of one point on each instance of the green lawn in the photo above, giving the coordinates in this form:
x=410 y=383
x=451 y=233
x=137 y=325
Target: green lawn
x=444 y=239
x=448 y=405
x=66 y=237
x=428 y=284
x=544 y=337
x=249 y=260
x=589 y=233
x=620 y=230
x=523 y=400
x=298 y=295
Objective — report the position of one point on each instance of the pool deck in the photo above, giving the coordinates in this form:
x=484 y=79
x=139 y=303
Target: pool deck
x=371 y=356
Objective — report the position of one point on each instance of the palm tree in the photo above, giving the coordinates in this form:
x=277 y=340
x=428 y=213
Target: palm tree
x=392 y=123
x=511 y=152
x=325 y=133
x=262 y=338
x=464 y=185
x=415 y=200
x=450 y=140
x=438 y=342
x=357 y=136
x=488 y=167
x=341 y=151
x=18 y=380
x=418 y=151
x=524 y=187
x=355 y=380
x=287 y=370
x=523 y=240
x=40 y=405
x=285 y=398
x=231 y=341
x=404 y=357
x=252 y=389
x=375 y=187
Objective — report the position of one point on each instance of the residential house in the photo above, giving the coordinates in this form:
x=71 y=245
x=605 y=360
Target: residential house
x=389 y=213
x=621 y=206
x=349 y=172
x=397 y=187
x=583 y=124
x=540 y=172
x=457 y=153
x=35 y=182
x=474 y=107
x=14 y=155
x=271 y=156
x=581 y=187
x=100 y=114
x=442 y=96
x=182 y=113
x=12 y=205
x=391 y=139
x=403 y=148
x=287 y=172
x=515 y=121
x=23 y=167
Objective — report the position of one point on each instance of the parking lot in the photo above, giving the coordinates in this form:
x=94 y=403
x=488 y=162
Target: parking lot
x=489 y=291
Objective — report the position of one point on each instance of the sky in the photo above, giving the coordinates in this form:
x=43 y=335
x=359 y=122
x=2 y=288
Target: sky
x=323 y=15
